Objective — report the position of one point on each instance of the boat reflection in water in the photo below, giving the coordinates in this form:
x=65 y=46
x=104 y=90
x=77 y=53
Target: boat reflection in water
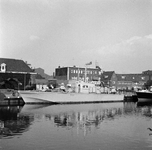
x=84 y=126
x=12 y=122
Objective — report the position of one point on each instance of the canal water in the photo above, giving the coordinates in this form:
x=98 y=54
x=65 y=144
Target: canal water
x=104 y=126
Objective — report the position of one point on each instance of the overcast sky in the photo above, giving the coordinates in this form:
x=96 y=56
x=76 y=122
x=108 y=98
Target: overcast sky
x=47 y=33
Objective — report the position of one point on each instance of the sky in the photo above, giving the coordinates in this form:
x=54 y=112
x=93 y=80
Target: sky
x=115 y=34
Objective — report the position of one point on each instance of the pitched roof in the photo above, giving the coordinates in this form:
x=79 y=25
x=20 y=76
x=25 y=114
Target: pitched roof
x=15 y=65
x=148 y=72
x=107 y=75
x=38 y=76
x=41 y=72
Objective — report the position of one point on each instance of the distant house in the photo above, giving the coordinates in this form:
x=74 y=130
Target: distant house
x=42 y=79
x=17 y=69
x=124 y=81
x=131 y=81
x=41 y=72
x=109 y=79
x=41 y=84
x=148 y=73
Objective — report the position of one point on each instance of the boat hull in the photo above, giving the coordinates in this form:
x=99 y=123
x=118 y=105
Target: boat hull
x=33 y=97
x=144 y=97
x=9 y=97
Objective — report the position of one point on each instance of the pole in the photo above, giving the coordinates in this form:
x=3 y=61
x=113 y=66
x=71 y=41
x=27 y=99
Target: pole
x=24 y=80
x=85 y=73
x=68 y=73
x=78 y=73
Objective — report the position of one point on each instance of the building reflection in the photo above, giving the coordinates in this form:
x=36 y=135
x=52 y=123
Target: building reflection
x=93 y=118
x=14 y=121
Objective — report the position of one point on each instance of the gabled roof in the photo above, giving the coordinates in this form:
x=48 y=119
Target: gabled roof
x=107 y=75
x=148 y=72
x=15 y=65
x=38 y=76
x=41 y=72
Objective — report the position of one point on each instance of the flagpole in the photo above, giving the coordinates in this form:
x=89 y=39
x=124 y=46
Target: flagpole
x=85 y=73
x=78 y=72
x=86 y=69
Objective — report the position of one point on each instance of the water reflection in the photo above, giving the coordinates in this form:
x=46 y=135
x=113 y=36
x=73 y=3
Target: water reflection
x=12 y=122
x=92 y=118
x=84 y=117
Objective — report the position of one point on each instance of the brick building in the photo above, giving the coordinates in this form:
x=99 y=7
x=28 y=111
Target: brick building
x=107 y=78
x=17 y=69
x=131 y=81
x=77 y=73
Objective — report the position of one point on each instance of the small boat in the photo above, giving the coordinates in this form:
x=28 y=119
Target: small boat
x=10 y=97
x=144 y=96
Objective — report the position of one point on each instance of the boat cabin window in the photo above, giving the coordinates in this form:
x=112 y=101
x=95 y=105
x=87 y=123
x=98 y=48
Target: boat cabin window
x=85 y=86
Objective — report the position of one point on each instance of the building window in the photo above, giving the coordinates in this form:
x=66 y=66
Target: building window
x=3 y=67
x=123 y=77
x=106 y=76
x=143 y=78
